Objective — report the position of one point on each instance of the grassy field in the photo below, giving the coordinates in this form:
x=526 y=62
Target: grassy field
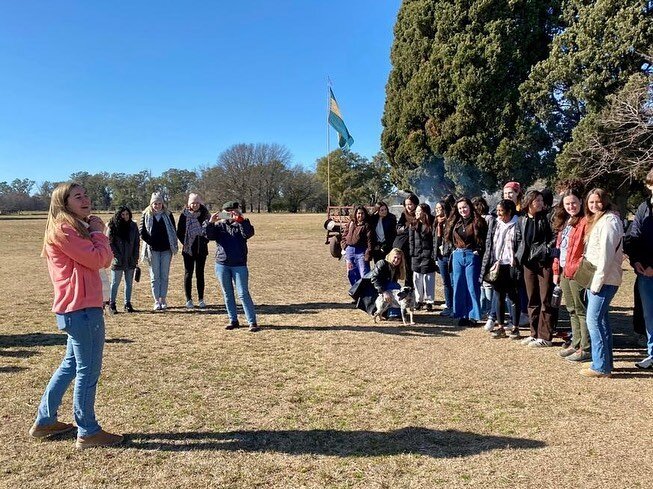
x=321 y=397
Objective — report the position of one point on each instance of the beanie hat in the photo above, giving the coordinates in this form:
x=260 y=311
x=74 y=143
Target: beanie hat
x=514 y=186
x=156 y=197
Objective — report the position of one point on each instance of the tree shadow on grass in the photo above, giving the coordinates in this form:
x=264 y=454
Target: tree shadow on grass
x=410 y=440
x=32 y=339
x=396 y=329
x=18 y=353
x=12 y=369
x=118 y=340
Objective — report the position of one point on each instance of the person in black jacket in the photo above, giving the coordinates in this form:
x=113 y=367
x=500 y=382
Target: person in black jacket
x=401 y=241
x=195 y=247
x=422 y=257
x=384 y=224
x=638 y=245
x=231 y=237
x=124 y=240
x=443 y=254
x=535 y=245
x=500 y=253
x=377 y=286
x=159 y=234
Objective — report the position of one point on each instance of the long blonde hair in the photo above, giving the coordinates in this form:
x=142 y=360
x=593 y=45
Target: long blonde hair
x=401 y=275
x=59 y=214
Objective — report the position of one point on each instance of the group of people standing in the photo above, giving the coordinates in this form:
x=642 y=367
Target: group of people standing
x=520 y=258
x=162 y=238
x=78 y=246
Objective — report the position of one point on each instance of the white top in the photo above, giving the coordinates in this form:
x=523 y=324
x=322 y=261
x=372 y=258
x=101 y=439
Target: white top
x=504 y=239
x=380 y=235
x=604 y=250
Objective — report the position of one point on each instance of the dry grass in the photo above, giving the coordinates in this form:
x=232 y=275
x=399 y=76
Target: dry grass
x=321 y=397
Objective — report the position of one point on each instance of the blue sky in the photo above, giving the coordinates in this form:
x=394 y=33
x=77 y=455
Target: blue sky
x=127 y=86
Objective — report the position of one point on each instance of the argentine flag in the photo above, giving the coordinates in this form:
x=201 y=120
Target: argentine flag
x=335 y=120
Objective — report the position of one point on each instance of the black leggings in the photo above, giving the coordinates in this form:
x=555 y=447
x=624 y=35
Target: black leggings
x=189 y=265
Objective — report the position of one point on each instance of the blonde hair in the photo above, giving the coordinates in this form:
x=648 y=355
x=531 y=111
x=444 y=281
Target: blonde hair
x=156 y=196
x=401 y=275
x=59 y=214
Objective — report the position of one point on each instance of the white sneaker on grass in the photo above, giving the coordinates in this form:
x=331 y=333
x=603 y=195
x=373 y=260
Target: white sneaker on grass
x=489 y=324
x=157 y=306
x=527 y=340
x=540 y=343
x=647 y=363
x=189 y=304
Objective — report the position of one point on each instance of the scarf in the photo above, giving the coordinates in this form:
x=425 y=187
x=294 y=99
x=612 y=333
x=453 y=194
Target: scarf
x=193 y=229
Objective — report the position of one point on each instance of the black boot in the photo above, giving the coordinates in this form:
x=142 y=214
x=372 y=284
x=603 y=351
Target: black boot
x=128 y=307
x=112 y=308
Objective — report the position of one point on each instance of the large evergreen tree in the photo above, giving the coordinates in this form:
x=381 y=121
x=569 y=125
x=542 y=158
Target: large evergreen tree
x=599 y=47
x=452 y=98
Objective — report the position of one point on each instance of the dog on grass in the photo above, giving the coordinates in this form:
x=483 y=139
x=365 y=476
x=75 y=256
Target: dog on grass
x=402 y=298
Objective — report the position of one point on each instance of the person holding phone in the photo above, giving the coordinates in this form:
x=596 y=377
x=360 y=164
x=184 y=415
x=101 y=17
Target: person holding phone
x=76 y=248
x=231 y=237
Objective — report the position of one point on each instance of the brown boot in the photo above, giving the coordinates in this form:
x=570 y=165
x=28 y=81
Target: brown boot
x=55 y=428
x=99 y=439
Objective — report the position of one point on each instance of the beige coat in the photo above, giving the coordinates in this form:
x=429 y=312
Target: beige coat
x=605 y=251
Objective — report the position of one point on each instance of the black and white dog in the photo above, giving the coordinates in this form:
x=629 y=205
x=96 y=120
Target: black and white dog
x=403 y=298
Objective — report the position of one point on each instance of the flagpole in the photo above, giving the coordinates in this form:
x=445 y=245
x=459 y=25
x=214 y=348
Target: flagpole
x=328 y=144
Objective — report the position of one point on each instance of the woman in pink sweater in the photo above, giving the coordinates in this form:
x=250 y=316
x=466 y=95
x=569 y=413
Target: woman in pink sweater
x=76 y=249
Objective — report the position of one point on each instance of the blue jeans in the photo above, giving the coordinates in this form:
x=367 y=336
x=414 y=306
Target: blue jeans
x=82 y=362
x=599 y=328
x=487 y=295
x=356 y=255
x=159 y=273
x=116 y=277
x=240 y=275
x=645 y=286
x=466 y=272
x=443 y=265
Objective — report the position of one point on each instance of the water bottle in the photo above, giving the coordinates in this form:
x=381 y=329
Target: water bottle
x=556 y=297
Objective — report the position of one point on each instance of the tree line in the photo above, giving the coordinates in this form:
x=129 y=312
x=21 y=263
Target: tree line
x=485 y=91
x=260 y=176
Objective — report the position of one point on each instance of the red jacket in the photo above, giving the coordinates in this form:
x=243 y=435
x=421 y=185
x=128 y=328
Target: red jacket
x=74 y=266
x=575 y=249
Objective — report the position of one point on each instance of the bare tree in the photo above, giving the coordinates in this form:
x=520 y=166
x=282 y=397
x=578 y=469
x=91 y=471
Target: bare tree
x=617 y=144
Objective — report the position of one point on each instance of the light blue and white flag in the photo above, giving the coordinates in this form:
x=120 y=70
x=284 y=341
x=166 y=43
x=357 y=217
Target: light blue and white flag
x=335 y=120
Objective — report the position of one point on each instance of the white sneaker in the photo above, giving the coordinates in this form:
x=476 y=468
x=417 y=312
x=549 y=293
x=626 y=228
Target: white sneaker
x=527 y=340
x=524 y=320
x=157 y=306
x=189 y=304
x=489 y=325
x=201 y=304
x=647 y=363
x=540 y=343
x=164 y=305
